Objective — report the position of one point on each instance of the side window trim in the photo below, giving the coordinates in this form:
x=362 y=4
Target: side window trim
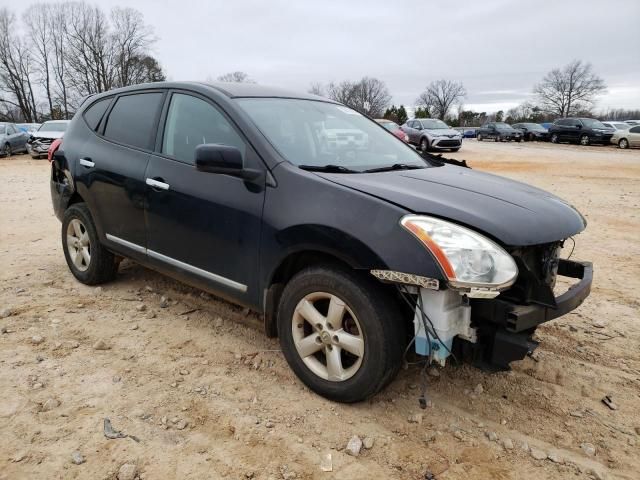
x=105 y=117
x=162 y=123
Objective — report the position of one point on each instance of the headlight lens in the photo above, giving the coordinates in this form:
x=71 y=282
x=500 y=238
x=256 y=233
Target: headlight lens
x=467 y=258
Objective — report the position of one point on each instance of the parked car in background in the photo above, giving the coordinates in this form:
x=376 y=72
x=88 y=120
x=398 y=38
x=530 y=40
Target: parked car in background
x=28 y=127
x=633 y=123
x=616 y=125
x=467 y=132
x=627 y=138
x=347 y=254
x=432 y=134
x=12 y=139
x=532 y=131
x=584 y=131
x=499 y=131
x=38 y=144
x=394 y=128
x=546 y=125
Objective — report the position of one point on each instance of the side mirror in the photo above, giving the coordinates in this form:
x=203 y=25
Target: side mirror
x=223 y=159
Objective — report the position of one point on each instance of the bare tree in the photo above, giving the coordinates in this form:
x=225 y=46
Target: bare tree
x=37 y=21
x=316 y=88
x=440 y=96
x=16 y=69
x=572 y=88
x=58 y=29
x=130 y=41
x=236 y=77
x=368 y=96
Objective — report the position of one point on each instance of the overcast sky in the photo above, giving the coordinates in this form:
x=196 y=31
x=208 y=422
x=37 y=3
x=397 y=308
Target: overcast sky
x=498 y=48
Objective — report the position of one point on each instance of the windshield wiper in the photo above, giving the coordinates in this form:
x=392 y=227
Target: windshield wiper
x=395 y=166
x=327 y=168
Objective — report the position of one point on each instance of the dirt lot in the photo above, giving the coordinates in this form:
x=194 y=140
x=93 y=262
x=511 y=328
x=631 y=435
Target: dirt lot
x=207 y=396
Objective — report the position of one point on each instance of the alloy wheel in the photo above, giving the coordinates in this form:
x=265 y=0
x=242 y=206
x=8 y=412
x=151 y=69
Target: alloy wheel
x=584 y=140
x=623 y=143
x=328 y=336
x=424 y=145
x=554 y=138
x=78 y=244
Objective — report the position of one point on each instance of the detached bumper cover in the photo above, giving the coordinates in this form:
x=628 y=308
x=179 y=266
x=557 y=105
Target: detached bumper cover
x=519 y=318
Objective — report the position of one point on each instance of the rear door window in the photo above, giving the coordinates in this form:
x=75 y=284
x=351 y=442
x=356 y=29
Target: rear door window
x=635 y=129
x=94 y=113
x=132 y=119
x=192 y=121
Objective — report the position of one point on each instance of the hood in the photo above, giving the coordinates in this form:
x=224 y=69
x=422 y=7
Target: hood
x=47 y=134
x=514 y=213
x=442 y=131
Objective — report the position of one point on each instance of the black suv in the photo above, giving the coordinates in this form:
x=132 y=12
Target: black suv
x=584 y=131
x=499 y=132
x=350 y=251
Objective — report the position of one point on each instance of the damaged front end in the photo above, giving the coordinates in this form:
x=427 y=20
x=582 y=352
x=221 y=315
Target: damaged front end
x=489 y=326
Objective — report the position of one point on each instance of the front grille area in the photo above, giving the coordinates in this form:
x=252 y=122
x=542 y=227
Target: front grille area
x=448 y=143
x=537 y=272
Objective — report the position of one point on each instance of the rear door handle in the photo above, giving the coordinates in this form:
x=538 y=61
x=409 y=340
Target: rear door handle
x=86 y=162
x=152 y=182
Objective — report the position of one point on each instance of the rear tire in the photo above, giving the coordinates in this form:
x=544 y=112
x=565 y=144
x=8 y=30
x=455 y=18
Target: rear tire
x=6 y=150
x=623 y=143
x=350 y=313
x=424 y=144
x=479 y=137
x=554 y=138
x=89 y=261
x=585 y=140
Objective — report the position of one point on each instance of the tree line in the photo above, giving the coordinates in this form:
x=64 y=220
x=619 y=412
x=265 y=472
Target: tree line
x=59 y=53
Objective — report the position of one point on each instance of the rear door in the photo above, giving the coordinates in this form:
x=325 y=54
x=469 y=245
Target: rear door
x=634 y=136
x=112 y=163
x=203 y=226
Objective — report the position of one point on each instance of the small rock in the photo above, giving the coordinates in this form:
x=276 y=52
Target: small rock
x=151 y=315
x=50 y=404
x=127 y=472
x=100 y=345
x=164 y=302
x=97 y=290
x=4 y=330
x=326 y=463
x=184 y=372
x=354 y=446
x=18 y=457
x=479 y=389
x=588 y=448
x=433 y=372
x=492 y=436
x=116 y=378
x=507 y=443
x=37 y=339
x=538 y=454
x=459 y=435
x=576 y=413
x=555 y=458
x=269 y=424
x=415 y=418
x=218 y=322
x=182 y=424
x=149 y=288
x=598 y=475
x=6 y=312
x=141 y=308
x=599 y=324
x=134 y=326
x=368 y=442
x=77 y=458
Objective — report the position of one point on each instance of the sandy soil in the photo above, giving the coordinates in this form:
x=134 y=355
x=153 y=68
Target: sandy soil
x=207 y=396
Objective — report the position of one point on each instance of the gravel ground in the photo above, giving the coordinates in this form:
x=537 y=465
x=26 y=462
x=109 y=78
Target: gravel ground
x=202 y=394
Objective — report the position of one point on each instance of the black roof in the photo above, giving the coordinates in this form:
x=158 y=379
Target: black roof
x=230 y=89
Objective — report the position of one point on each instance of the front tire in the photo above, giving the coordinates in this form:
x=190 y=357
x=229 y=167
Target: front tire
x=584 y=140
x=554 y=138
x=6 y=150
x=341 y=333
x=424 y=144
x=623 y=143
x=89 y=261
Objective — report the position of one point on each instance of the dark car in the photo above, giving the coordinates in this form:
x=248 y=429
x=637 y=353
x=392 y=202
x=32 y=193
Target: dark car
x=584 y=131
x=350 y=252
x=499 y=132
x=12 y=139
x=532 y=131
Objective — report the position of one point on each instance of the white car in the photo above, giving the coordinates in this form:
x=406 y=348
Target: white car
x=340 y=135
x=632 y=122
x=40 y=141
x=617 y=124
x=627 y=138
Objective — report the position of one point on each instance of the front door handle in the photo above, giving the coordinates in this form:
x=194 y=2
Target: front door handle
x=86 y=162
x=157 y=183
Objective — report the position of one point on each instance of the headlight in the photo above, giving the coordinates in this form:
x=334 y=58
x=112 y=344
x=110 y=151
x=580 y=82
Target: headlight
x=406 y=137
x=467 y=258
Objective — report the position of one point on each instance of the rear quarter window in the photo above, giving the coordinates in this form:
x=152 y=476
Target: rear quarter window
x=132 y=119
x=95 y=112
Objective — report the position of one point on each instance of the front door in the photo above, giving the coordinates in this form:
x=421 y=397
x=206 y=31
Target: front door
x=204 y=226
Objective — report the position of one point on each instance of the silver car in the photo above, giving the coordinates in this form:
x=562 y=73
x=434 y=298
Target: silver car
x=12 y=139
x=432 y=134
x=627 y=138
x=40 y=141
